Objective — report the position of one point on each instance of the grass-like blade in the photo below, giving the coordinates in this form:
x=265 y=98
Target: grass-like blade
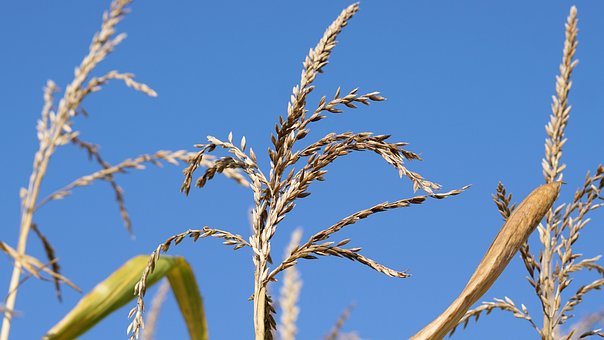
x=117 y=290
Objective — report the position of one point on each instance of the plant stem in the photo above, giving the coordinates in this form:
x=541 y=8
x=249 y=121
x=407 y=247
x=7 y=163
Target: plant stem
x=547 y=280
x=259 y=301
x=27 y=210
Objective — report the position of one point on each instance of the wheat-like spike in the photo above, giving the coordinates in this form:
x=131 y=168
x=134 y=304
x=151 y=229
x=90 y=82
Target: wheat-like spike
x=54 y=129
x=354 y=141
x=156 y=304
x=252 y=168
x=351 y=254
x=140 y=288
x=307 y=248
x=337 y=328
x=171 y=157
x=262 y=306
x=244 y=162
x=96 y=83
x=332 y=107
x=324 y=234
x=503 y=201
x=290 y=292
x=333 y=138
x=552 y=166
x=194 y=163
x=42 y=126
x=335 y=146
x=308 y=251
x=315 y=61
x=219 y=166
x=589 y=264
x=269 y=212
x=582 y=204
x=488 y=306
x=546 y=287
x=577 y=298
x=275 y=195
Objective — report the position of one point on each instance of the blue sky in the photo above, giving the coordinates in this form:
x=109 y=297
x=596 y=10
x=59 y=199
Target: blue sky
x=468 y=85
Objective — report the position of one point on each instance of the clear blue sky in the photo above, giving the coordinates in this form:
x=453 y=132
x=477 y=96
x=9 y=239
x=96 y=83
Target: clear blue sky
x=468 y=84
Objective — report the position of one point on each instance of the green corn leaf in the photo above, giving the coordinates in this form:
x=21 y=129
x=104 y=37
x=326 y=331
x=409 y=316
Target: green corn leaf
x=117 y=290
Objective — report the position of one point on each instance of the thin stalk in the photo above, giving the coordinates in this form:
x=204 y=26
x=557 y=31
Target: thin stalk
x=259 y=309
x=40 y=165
x=58 y=133
x=547 y=282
